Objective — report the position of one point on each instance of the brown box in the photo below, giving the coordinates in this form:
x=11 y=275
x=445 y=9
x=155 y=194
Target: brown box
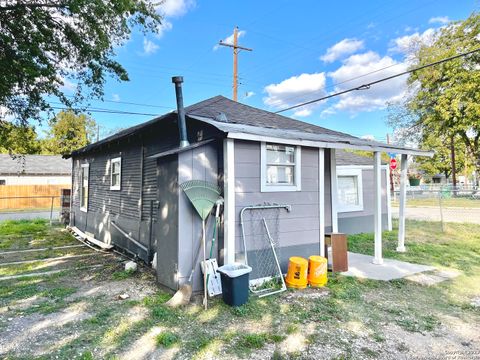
x=338 y=242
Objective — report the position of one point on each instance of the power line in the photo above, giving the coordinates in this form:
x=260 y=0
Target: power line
x=342 y=82
x=129 y=103
x=107 y=111
x=279 y=60
x=367 y=86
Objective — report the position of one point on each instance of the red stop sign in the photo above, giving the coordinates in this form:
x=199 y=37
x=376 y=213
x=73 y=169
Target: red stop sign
x=393 y=163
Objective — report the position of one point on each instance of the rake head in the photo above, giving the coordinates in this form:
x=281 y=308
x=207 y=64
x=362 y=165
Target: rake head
x=202 y=194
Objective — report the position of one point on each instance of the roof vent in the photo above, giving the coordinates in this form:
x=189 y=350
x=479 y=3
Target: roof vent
x=221 y=117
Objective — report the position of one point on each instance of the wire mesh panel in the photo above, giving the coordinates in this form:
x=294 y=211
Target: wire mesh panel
x=261 y=232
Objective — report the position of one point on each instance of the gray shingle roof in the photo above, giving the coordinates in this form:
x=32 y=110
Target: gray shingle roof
x=238 y=113
x=350 y=158
x=231 y=116
x=34 y=165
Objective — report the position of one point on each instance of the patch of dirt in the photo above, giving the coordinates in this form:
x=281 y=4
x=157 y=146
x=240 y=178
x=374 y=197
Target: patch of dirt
x=33 y=333
x=476 y=302
x=308 y=293
x=135 y=288
x=454 y=339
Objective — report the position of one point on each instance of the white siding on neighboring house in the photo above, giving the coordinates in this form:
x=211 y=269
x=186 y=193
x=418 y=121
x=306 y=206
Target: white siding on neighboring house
x=36 y=180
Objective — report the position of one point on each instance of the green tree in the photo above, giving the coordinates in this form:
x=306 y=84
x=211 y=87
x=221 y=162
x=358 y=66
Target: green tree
x=48 y=44
x=18 y=139
x=444 y=100
x=69 y=131
x=441 y=162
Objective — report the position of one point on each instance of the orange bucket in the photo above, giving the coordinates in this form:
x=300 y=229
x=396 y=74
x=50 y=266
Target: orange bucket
x=317 y=271
x=297 y=273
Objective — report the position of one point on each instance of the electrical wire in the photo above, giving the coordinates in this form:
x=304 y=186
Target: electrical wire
x=279 y=60
x=101 y=110
x=127 y=103
x=368 y=85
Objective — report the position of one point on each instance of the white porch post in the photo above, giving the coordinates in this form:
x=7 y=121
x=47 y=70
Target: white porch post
x=229 y=194
x=388 y=197
x=377 y=174
x=321 y=199
x=333 y=190
x=403 y=200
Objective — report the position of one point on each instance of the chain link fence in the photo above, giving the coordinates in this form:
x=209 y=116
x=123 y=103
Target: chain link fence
x=442 y=204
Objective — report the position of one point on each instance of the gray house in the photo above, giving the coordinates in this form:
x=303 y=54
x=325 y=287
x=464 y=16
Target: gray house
x=355 y=184
x=126 y=193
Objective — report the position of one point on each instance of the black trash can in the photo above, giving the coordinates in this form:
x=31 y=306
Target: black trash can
x=235 y=283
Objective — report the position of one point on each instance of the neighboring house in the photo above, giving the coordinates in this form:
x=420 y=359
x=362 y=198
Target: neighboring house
x=35 y=170
x=355 y=195
x=255 y=156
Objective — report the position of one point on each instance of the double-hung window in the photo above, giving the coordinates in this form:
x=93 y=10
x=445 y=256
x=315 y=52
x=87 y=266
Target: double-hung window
x=350 y=190
x=280 y=167
x=84 y=174
x=115 y=173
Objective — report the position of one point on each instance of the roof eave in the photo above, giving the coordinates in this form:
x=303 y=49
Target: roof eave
x=330 y=145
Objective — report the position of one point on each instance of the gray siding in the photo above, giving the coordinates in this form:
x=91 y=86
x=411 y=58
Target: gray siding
x=300 y=226
x=105 y=205
x=129 y=207
x=197 y=164
x=168 y=229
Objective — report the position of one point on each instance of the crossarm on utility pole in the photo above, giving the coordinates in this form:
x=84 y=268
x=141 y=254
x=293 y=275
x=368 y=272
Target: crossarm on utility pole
x=236 y=49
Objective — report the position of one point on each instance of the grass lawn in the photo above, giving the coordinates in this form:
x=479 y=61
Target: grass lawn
x=30 y=234
x=82 y=317
x=449 y=202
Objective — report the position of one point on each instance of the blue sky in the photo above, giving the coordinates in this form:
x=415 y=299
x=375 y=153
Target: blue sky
x=301 y=50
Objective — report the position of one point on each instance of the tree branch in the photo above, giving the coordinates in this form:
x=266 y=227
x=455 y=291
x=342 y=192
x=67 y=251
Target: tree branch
x=33 y=6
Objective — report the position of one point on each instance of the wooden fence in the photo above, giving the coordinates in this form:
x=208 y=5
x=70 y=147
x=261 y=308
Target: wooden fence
x=24 y=197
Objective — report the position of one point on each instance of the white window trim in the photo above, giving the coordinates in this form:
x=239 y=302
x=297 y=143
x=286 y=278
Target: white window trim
x=352 y=172
x=84 y=208
x=264 y=187
x=112 y=161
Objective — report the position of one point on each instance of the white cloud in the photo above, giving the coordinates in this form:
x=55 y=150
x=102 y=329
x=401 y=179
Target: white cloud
x=368 y=137
x=229 y=39
x=6 y=114
x=379 y=94
x=172 y=9
x=408 y=44
x=439 y=20
x=175 y=8
x=164 y=27
x=115 y=97
x=342 y=48
x=149 y=47
x=294 y=90
x=249 y=94
x=68 y=86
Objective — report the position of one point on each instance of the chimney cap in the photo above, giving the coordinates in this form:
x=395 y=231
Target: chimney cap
x=177 y=79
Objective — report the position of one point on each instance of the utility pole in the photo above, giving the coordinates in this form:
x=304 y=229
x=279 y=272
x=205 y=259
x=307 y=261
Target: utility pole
x=236 y=49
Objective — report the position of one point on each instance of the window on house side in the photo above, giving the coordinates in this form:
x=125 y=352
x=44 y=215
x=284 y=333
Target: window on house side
x=349 y=189
x=84 y=174
x=280 y=167
x=115 y=173
x=3 y=181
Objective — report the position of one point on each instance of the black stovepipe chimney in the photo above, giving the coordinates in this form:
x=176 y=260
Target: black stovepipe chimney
x=182 y=126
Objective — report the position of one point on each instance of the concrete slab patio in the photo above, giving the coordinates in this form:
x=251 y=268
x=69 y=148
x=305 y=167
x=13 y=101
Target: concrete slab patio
x=361 y=266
